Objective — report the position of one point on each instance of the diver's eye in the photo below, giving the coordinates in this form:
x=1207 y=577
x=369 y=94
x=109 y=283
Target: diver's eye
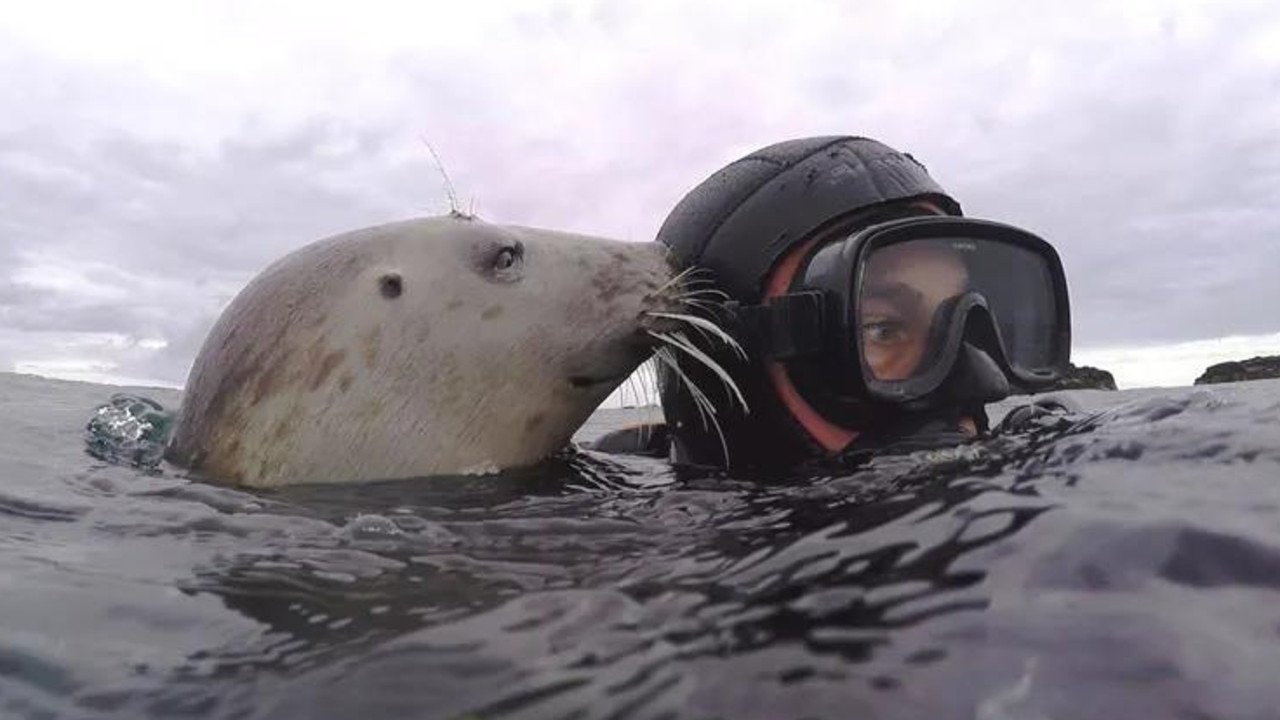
x=508 y=257
x=883 y=331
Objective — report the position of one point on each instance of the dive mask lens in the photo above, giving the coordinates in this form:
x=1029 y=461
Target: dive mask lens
x=921 y=295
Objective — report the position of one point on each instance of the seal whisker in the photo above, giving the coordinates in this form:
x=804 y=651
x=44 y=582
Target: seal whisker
x=700 y=400
x=626 y=385
x=688 y=345
x=680 y=341
x=698 y=276
x=634 y=386
x=679 y=277
x=711 y=308
x=706 y=327
x=702 y=308
x=706 y=411
x=454 y=208
x=693 y=279
x=650 y=372
x=705 y=308
x=639 y=391
x=681 y=318
x=699 y=269
x=647 y=381
x=695 y=292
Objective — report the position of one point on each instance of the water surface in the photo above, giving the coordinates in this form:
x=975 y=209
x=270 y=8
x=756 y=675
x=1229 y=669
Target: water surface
x=1125 y=564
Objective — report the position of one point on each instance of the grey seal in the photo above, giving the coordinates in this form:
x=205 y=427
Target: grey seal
x=431 y=346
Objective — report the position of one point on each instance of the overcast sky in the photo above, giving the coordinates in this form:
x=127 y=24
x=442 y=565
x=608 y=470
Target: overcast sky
x=155 y=155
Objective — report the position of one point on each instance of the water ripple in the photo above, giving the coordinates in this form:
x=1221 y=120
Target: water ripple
x=1124 y=562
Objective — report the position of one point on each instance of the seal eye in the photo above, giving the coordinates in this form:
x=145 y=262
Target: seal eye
x=500 y=262
x=507 y=258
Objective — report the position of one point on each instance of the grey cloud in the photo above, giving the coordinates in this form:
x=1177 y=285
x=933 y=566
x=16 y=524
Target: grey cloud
x=173 y=233
x=1148 y=157
x=172 y=362
x=151 y=206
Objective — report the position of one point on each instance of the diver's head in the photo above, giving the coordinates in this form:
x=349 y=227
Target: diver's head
x=851 y=282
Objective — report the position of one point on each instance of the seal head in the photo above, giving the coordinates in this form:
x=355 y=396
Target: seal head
x=432 y=346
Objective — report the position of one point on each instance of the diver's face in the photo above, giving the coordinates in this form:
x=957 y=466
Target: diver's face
x=903 y=286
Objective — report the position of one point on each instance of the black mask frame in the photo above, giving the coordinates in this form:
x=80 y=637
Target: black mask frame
x=813 y=327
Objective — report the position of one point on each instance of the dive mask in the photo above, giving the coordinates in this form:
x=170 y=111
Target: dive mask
x=889 y=312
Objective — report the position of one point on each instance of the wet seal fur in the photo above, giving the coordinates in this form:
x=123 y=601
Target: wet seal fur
x=442 y=345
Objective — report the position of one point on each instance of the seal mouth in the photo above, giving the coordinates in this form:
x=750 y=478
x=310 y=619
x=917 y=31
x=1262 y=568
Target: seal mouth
x=587 y=382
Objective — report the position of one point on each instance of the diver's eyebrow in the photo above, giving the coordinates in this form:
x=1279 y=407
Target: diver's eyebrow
x=895 y=292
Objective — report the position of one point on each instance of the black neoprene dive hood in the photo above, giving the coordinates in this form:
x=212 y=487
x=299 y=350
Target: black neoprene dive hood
x=737 y=224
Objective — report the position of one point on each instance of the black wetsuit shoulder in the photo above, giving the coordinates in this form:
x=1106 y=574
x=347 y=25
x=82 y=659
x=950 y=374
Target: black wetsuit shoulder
x=654 y=439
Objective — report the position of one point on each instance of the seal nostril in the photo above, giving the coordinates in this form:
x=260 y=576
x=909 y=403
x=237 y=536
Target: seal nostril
x=391 y=285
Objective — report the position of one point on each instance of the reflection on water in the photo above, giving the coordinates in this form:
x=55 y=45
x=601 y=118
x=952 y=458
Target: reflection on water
x=1122 y=564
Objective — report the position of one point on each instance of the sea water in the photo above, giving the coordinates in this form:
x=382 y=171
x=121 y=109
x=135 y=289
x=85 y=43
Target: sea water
x=1123 y=564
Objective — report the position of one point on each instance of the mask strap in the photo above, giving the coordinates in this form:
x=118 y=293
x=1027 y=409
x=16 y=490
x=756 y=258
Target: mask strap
x=782 y=327
x=830 y=436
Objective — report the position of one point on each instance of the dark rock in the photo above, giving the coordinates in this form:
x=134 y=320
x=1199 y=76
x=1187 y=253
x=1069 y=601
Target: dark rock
x=1256 y=368
x=1083 y=377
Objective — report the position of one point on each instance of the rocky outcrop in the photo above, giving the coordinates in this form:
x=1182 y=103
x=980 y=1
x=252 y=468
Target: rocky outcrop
x=1256 y=368
x=1083 y=377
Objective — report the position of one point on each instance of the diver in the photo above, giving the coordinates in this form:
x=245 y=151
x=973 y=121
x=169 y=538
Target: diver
x=871 y=315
